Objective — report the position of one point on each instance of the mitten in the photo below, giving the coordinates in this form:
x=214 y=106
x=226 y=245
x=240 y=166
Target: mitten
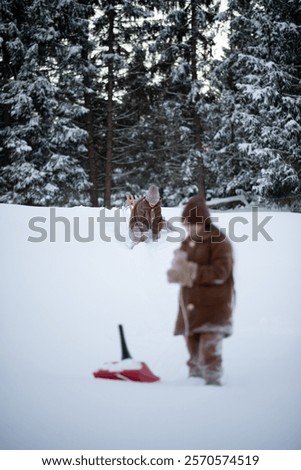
x=173 y=274
x=182 y=271
x=188 y=273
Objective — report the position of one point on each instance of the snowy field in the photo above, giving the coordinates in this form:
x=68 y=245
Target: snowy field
x=62 y=301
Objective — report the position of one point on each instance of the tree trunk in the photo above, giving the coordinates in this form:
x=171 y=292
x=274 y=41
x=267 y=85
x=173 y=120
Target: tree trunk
x=91 y=154
x=109 y=143
x=93 y=169
x=196 y=117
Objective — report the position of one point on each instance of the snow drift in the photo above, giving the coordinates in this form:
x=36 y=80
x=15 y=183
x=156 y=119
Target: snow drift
x=61 y=302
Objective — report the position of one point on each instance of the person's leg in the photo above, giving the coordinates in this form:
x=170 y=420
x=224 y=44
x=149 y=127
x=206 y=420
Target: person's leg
x=211 y=357
x=193 y=346
x=138 y=233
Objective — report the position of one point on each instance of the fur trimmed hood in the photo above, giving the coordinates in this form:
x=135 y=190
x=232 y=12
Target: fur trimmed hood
x=196 y=211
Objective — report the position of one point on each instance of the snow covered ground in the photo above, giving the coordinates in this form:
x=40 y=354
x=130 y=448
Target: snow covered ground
x=62 y=301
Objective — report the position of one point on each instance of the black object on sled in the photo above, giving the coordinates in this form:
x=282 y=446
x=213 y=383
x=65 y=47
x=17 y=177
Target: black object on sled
x=123 y=370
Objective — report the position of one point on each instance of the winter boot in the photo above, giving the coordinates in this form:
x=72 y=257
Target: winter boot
x=195 y=370
x=213 y=381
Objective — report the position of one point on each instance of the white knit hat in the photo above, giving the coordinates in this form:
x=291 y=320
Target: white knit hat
x=152 y=195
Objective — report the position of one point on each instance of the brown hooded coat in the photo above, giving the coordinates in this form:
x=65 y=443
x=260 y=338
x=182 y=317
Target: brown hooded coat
x=206 y=307
x=146 y=217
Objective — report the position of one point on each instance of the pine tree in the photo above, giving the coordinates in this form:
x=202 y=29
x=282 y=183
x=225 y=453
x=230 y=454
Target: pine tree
x=257 y=146
x=121 y=28
x=43 y=99
x=184 y=45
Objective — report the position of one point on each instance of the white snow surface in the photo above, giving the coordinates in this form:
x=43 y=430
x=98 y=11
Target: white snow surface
x=122 y=365
x=62 y=302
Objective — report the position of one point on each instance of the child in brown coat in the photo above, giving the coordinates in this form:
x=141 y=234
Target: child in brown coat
x=147 y=216
x=203 y=266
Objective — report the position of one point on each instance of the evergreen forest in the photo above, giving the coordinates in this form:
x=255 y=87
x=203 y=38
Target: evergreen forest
x=102 y=98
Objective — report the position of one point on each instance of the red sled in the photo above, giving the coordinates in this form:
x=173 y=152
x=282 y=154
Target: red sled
x=127 y=369
x=143 y=374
